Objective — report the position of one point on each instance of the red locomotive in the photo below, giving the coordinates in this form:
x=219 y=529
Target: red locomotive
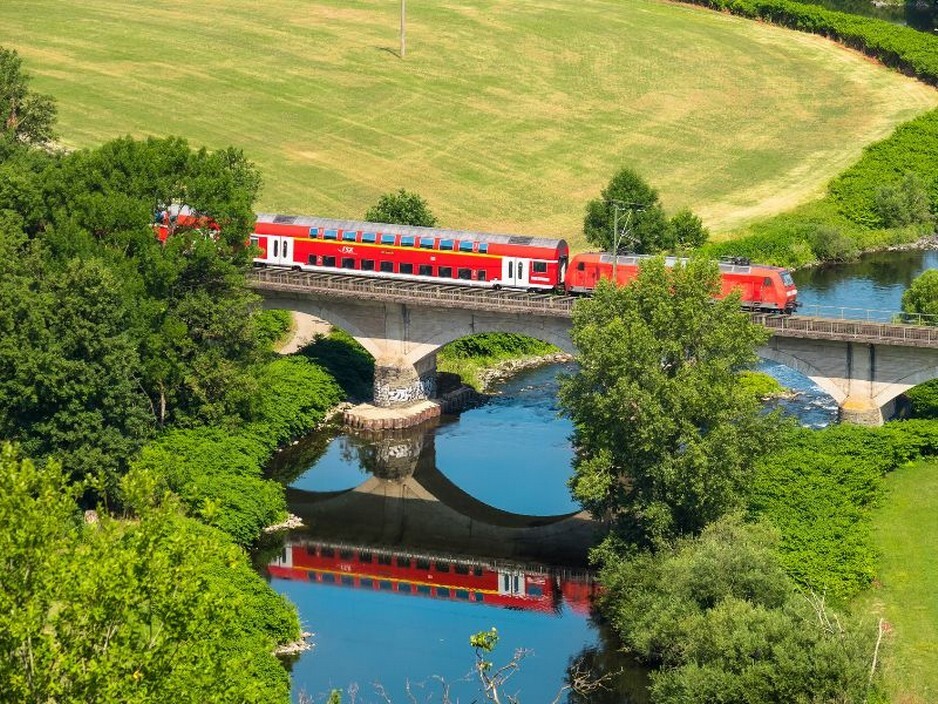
x=466 y=258
x=433 y=576
x=765 y=288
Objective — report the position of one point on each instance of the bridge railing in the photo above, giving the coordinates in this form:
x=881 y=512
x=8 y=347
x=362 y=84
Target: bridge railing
x=847 y=329
x=868 y=314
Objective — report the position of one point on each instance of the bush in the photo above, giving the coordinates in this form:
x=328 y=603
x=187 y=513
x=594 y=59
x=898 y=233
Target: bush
x=271 y=325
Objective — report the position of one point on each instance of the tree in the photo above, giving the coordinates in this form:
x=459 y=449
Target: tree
x=904 y=203
x=154 y=609
x=687 y=230
x=639 y=210
x=401 y=208
x=24 y=115
x=921 y=298
x=666 y=435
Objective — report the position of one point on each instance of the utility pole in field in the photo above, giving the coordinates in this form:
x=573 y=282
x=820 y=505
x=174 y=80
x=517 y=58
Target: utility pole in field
x=403 y=28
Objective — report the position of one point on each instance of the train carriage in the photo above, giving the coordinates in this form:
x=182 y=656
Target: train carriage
x=410 y=253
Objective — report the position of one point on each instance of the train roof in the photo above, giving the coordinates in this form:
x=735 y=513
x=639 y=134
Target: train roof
x=634 y=259
x=359 y=225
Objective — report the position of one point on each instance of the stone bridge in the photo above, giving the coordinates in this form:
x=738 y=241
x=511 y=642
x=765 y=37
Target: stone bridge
x=864 y=366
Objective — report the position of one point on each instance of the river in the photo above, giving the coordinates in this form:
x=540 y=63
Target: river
x=416 y=540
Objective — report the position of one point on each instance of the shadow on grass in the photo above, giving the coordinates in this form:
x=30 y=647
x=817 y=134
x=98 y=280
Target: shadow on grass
x=348 y=362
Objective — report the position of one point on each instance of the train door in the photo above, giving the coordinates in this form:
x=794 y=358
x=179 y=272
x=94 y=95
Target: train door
x=511 y=583
x=280 y=250
x=515 y=272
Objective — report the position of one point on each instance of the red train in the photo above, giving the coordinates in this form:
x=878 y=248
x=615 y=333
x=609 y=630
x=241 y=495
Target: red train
x=434 y=576
x=469 y=258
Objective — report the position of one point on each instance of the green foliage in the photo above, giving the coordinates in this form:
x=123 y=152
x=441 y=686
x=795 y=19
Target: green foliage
x=819 y=487
x=218 y=472
x=666 y=435
x=343 y=357
x=687 y=230
x=921 y=298
x=631 y=205
x=904 y=203
x=24 y=115
x=718 y=615
x=760 y=385
x=270 y=326
x=468 y=356
x=154 y=609
x=401 y=208
x=923 y=400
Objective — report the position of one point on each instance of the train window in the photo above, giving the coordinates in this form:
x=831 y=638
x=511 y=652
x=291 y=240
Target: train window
x=313 y=231
x=276 y=247
x=443 y=592
x=327 y=552
x=423 y=589
x=465 y=246
x=442 y=566
x=331 y=234
x=348 y=263
x=388 y=238
x=328 y=578
x=427 y=242
x=480 y=274
x=403 y=562
x=384 y=559
x=462 y=569
x=464 y=273
x=349 y=236
x=347 y=581
x=328 y=261
x=539 y=267
x=403 y=587
x=581 y=266
x=767 y=282
x=369 y=237
x=311 y=259
x=534 y=590
x=483 y=248
x=365 y=582
x=368 y=264
x=255 y=241
x=448 y=245
x=406 y=268
x=478 y=597
x=387 y=267
x=425 y=270
x=520 y=270
x=477 y=571
x=364 y=557
x=423 y=563
x=345 y=554
x=462 y=594
x=445 y=271
x=385 y=585
x=407 y=241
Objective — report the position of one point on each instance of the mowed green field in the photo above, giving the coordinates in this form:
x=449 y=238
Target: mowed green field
x=905 y=527
x=506 y=115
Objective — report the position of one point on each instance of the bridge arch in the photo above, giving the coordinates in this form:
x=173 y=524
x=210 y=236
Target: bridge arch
x=900 y=386
x=827 y=384
x=305 y=317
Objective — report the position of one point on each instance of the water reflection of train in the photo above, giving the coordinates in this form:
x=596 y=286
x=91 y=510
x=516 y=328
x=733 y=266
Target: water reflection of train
x=435 y=576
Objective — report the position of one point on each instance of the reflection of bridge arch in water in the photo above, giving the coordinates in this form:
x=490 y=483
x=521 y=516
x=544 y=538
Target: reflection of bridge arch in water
x=408 y=501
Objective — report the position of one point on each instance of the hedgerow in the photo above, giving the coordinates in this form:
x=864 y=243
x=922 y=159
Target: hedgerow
x=818 y=489
x=218 y=472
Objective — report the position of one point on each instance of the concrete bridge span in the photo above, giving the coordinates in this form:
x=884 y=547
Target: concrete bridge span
x=863 y=365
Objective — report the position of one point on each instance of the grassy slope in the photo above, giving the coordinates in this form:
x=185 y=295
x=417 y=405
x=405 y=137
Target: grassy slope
x=506 y=114
x=905 y=528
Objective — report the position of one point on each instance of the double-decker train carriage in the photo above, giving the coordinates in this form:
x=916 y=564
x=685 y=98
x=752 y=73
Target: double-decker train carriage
x=763 y=288
x=413 y=253
x=433 y=576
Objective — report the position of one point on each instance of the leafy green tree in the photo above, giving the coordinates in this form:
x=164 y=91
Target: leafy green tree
x=401 y=208
x=921 y=298
x=155 y=609
x=642 y=224
x=687 y=230
x=24 y=115
x=904 y=203
x=721 y=620
x=666 y=434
